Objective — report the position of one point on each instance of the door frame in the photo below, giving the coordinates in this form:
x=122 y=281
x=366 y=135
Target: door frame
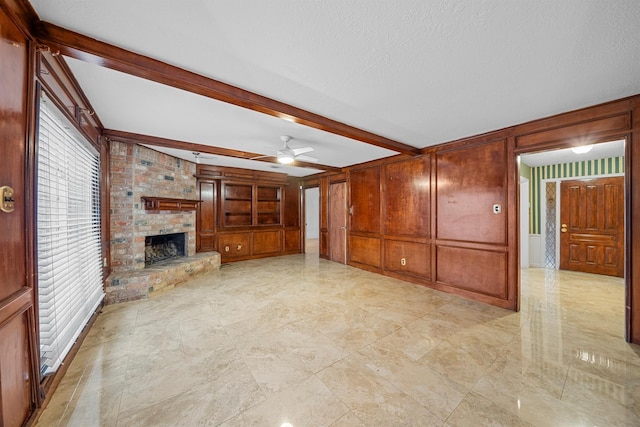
x=628 y=214
x=525 y=220
x=303 y=232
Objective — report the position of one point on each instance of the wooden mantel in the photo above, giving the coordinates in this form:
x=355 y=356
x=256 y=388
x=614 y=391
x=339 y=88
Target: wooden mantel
x=168 y=204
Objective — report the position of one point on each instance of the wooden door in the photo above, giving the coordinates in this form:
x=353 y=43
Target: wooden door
x=338 y=222
x=592 y=226
x=18 y=373
x=206 y=216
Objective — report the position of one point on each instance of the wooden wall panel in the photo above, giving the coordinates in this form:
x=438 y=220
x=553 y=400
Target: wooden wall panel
x=266 y=242
x=15 y=371
x=417 y=258
x=19 y=375
x=407 y=197
x=364 y=193
x=292 y=209
x=470 y=181
x=324 y=244
x=292 y=241
x=13 y=146
x=365 y=250
x=480 y=271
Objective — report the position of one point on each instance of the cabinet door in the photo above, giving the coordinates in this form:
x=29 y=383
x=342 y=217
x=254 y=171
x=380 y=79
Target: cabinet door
x=266 y=242
x=234 y=245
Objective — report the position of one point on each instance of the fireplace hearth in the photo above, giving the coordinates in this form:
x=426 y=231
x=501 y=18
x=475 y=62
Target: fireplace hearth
x=163 y=247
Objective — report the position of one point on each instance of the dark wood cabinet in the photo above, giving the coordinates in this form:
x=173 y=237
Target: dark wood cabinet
x=234 y=245
x=267 y=242
x=245 y=205
x=247 y=214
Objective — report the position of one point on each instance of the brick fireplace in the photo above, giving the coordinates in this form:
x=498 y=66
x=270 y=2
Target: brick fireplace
x=137 y=171
x=163 y=247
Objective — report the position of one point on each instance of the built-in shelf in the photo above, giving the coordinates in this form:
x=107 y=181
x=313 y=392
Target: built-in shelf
x=168 y=204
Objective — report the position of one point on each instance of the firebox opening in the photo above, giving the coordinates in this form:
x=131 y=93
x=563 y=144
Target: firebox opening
x=165 y=246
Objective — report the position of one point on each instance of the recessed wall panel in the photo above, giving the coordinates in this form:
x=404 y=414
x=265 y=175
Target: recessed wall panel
x=365 y=250
x=406 y=197
x=471 y=193
x=481 y=271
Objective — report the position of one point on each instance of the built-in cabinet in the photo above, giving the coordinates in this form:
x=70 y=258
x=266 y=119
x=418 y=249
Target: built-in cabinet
x=247 y=214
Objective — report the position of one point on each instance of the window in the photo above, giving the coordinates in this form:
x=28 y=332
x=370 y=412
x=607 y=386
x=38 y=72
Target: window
x=68 y=234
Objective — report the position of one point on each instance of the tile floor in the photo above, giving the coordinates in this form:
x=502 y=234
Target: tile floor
x=298 y=341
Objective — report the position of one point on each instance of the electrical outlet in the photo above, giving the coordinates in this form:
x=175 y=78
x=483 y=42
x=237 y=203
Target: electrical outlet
x=497 y=208
x=403 y=261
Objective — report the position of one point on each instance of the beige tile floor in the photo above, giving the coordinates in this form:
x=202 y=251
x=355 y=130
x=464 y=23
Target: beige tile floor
x=298 y=341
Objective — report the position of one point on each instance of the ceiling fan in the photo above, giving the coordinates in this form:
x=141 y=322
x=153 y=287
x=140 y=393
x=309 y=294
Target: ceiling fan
x=287 y=155
x=197 y=157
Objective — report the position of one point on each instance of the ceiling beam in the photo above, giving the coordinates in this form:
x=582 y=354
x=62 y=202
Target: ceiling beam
x=90 y=50
x=118 y=135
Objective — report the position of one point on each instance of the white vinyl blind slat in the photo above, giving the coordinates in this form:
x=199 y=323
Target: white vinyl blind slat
x=68 y=217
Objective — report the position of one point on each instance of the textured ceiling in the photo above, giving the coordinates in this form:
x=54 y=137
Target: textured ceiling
x=419 y=72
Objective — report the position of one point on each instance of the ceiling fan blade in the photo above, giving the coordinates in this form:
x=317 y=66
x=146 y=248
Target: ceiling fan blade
x=262 y=157
x=297 y=151
x=304 y=158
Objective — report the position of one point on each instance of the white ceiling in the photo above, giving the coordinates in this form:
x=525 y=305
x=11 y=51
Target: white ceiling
x=598 y=151
x=419 y=72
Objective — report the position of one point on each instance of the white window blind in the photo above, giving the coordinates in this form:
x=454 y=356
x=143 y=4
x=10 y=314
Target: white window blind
x=68 y=228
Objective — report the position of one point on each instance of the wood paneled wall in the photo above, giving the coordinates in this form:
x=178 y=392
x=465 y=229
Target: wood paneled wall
x=19 y=373
x=449 y=218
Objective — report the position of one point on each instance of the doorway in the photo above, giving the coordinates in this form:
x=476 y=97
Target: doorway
x=338 y=222
x=547 y=173
x=311 y=220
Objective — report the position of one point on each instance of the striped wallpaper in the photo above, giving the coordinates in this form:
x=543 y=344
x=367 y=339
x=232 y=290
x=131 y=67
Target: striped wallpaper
x=566 y=170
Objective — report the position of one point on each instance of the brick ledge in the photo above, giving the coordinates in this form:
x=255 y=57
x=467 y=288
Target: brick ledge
x=140 y=284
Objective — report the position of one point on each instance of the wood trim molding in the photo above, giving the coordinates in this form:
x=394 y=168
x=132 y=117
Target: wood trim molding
x=136 y=138
x=23 y=14
x=169 y=204
x=90 y=50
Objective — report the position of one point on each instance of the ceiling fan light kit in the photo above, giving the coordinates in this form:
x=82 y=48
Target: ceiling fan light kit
x=287 y=155
x=285 y=158
x=582 y=149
